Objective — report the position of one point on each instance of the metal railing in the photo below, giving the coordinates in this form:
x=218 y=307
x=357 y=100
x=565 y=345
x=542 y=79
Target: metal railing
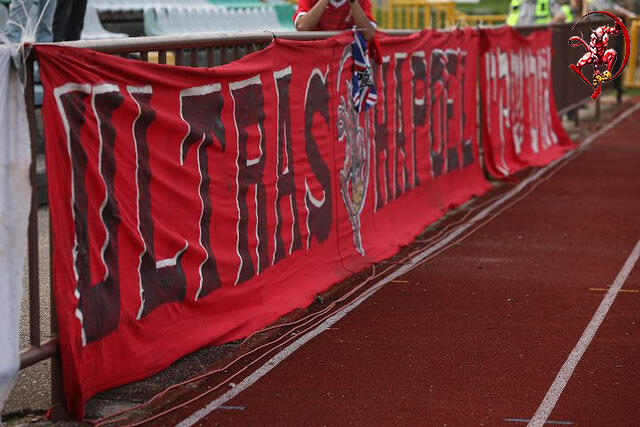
x=200 y=50
x=38 y=350
x=204 y=50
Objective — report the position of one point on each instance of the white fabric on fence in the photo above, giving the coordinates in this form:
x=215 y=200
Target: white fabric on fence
x=15 y=197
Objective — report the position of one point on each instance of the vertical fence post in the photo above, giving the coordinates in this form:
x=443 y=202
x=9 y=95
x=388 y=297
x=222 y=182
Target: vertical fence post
x=34 y=265
x=162 y=56
x=427 y=16
x=59 y=411
x=414 y=17
x=194 y=57
x=210 y=57
x=58 y=403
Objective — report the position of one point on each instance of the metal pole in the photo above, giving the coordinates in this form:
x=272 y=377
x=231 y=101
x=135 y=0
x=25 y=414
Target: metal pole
x=59 y=411
x=34 y=274
x=58 y=402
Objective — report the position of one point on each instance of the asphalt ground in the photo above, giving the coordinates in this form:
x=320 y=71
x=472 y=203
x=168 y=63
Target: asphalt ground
x=474 y=335
x=31 y=391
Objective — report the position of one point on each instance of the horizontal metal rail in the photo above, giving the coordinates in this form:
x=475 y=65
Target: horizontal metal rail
x=217 y=39
x=202 y=50
x=34 y=354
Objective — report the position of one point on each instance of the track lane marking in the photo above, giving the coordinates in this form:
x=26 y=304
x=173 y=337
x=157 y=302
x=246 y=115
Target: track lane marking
x=291 y=348
x=561 y=380
x=621 y=290
x=239 y=408
x=526 y=420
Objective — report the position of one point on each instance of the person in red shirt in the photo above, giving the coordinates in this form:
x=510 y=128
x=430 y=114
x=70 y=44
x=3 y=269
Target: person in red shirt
x=332 y=15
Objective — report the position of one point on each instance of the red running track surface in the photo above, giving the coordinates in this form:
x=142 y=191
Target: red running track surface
x=477 y=335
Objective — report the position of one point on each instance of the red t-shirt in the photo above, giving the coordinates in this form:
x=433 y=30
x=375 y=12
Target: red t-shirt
x=337 y=15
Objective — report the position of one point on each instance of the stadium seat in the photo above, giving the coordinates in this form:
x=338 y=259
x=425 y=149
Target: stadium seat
x=183 y=19
x=285 y=12
x=238 y=4
x=4 y=16
x=130 y=5
x=93 y=29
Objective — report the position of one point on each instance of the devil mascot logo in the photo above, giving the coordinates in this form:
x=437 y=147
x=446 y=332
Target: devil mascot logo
x=598 y=54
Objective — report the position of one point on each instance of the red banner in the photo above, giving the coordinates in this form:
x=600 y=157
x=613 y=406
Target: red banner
x=194 y=206
x=520 y=126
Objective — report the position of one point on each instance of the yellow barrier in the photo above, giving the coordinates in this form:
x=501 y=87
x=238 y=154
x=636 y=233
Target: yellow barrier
x=632 y=76
x=155 y=58
x=418 y=14
x=475 y=20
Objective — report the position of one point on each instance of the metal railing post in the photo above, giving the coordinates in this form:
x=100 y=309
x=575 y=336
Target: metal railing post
x=40 y=352
x=58 y=402
x=631 y=72
x=34 y=265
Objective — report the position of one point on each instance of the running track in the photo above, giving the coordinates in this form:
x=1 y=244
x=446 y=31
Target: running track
x=518 y=321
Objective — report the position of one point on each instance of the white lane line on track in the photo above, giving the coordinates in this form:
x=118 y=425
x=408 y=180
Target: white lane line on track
x=291 y=348
x=562 y=378
x=525 y=420
x=554 y=392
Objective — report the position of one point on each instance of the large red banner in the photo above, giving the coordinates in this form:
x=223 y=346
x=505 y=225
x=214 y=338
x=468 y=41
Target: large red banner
x=520 y=126
x=195 y=206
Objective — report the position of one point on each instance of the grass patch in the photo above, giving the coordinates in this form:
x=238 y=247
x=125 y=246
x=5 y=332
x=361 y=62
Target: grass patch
x=485 y=7
x=632 y=91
